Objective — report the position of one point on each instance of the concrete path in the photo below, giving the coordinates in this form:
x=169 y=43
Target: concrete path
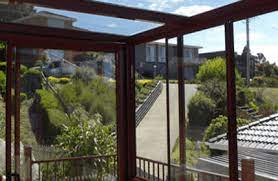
x=151 y=134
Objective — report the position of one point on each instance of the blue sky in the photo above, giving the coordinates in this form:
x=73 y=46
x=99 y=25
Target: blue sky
x=263 y=29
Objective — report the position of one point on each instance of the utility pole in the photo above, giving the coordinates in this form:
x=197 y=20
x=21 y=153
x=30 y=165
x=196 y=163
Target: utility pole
x=248 y=53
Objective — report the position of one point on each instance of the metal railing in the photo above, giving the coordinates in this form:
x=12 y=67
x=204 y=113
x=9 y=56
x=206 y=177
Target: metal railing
x=71 y=168
x=155 y=170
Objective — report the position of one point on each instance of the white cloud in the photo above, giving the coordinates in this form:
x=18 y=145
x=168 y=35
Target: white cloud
x=255 y=36
x=160 y=5
x=192 y=10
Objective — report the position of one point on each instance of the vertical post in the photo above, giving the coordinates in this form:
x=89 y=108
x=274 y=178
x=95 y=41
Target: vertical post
x=247 y=170
x=248 y=53
x=10 y=49
x=121 y=115
x=17 y=114
x=231 y=101
x=168 y=108
x=28 y=163
x=131 y=122
x=180 y=58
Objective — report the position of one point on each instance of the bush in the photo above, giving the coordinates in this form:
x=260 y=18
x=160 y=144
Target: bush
x=23 y=69
x=53 y=80
x=2 y=83
x=23 y=97
x=3 y=66
x=52 y=115
x=64 y=80
x=267 y=108
x=200 y=110
x=219 y=126
x=244 y=96
x=32 y=80
x=85 y=74
x=215 y=69
x=217 y=91
x=264 y=81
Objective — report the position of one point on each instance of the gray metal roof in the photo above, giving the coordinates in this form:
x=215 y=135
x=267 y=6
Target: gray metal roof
x=266 y=165
x=261 y=135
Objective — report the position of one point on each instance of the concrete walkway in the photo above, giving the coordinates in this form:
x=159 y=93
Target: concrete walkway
x=151 y=134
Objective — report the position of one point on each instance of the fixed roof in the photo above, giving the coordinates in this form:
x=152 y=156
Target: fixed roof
x=259 y=135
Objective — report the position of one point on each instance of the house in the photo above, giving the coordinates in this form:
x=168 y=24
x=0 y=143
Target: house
x=257 y=140
x=45 y=18
x=151 y=62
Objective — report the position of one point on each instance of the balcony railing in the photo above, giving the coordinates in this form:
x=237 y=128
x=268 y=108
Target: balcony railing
x=155 y=170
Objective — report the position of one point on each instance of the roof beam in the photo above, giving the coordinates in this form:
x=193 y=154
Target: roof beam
x=232 y=12
x=108 y=9
x=60 y=33
x=35 y=41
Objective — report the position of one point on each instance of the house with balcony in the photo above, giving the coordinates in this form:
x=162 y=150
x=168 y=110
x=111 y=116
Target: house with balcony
x=151 y=61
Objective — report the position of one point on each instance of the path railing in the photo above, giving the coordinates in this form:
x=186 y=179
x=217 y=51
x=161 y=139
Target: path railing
x=143 y=109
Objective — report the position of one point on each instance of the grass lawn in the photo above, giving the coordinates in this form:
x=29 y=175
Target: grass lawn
x=269 y=94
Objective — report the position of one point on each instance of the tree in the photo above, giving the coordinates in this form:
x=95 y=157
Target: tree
x=219 y=126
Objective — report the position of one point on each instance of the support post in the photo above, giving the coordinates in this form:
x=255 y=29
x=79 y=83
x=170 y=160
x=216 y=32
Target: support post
x=17 y=114
x=168 y=108
x=180 y=58
x=247 y=169
x=231 y=101
x=121 y=114
x=126 y=124
x=28 y=163
x=10 y=49
x=131 y=120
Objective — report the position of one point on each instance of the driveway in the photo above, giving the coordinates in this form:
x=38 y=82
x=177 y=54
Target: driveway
x=151 y=134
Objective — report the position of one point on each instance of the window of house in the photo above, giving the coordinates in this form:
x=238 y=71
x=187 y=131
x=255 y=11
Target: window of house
x=188 y=53
x=161 y=53
x=150 y=53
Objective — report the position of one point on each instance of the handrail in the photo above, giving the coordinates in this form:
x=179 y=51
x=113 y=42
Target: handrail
x=72 y=159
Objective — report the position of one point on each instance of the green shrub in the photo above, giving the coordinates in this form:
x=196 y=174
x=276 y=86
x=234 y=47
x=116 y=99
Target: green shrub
x=200 y=110
x=2 y=83
x=264 y=81
x=215 y=69
x=217 y=91
x=219 y=126
x=31 y=81
x=268 y=108
x=3 y=66
x=64 y=80
x=23 y=97
x=53 y=80
x=23 y=69
x=244 y=96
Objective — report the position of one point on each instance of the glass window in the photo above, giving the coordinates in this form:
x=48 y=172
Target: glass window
x=150 y=53
x=161 y=54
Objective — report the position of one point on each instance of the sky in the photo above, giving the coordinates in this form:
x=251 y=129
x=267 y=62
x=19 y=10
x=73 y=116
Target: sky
x=263 y=29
